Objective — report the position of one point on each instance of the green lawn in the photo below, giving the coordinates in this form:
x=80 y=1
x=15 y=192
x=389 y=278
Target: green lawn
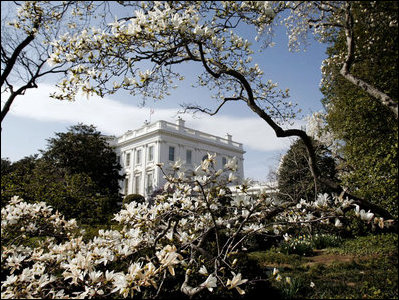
x=364 y=267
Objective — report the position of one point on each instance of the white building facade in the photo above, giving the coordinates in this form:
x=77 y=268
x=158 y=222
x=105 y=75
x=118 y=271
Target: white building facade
x=163 y=142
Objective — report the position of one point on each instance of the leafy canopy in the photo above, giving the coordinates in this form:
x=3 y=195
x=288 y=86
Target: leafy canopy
x=367 y=128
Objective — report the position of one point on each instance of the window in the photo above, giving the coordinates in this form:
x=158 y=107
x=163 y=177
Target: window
x=137 y=181
x=149 y=183
x=126 y=188
x=127 y=159
x=151 y=153
x=171 y=153
x=188 y=156
x=224 y=161
x=138 y=157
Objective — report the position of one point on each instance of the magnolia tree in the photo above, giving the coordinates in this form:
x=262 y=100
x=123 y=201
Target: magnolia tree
x=141 y=54
x=27 y=30
x=326 y=18
x=193 y=231
x=191 y=235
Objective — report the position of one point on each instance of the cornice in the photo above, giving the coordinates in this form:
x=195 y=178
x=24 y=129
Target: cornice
x=162 y=131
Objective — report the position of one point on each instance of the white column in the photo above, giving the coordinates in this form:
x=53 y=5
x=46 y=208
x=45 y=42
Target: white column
x=159 y=160
x=131 y=167
x=144 y=168
x=156 y=161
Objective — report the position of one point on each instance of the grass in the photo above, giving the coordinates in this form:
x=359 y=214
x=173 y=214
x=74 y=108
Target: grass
x=383 y=244
x=364 y=267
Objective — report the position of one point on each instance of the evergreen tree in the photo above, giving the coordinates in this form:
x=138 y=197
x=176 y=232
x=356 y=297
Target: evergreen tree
x=368 y=129
x=295 y=180
x=83 y=149
x=77 y=175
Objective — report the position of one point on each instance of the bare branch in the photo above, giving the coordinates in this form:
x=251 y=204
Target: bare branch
x=280 y=132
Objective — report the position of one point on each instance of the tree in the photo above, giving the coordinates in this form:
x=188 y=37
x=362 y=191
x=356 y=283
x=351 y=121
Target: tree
x=16 y=177
x=165 y=35
x=295 y=180
x=188 y=243
x=350 y=19
x=368 y=130
x=89 y=170
x=26 y=38
x=77 y=175
x=84 y=150
x=5 y=166
x=74 y=195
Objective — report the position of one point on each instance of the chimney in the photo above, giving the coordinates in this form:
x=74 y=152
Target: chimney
x=228 y=137
x=180 y=122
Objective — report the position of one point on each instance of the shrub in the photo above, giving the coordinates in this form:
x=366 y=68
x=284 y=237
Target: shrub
x=321 y=241
x=179 y=246
x=133 y=197
x=302 y=245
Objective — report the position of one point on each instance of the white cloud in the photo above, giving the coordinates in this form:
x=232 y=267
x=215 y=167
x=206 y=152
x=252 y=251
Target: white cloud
x=253 y=132
x=113 y=117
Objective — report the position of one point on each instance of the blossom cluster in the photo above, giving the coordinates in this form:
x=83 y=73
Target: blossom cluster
x=113 y=262
x=28 y=218
x=317 y=128
x=195 y=227
x=159 y=36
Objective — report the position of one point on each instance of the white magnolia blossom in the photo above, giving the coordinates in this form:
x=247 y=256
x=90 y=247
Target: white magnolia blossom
x=167 y=35
x=203 y=271
x=338 y=223
x=210 y=283
x=317 y=128
x=235 y=282
x=365 y=216
x=173 y=235
x=169 y=232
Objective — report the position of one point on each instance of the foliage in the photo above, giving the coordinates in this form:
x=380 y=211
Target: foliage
x=5 y=166
x=294 y=176
x=180 y=245
x=372 y=271
x=274 y=256
x=367 y=128
x=61 y=177
x=27 y=31
x=381 y=244
x=304 y=244
x=321 y=241
x=370 y=278
x=15 y=177
x=75 y=196
x=300 y=245
x=83 y=149
x=133 y=197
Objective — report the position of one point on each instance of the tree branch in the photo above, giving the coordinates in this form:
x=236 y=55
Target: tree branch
x=11 y=62
x=280 y=132
x=383 y=98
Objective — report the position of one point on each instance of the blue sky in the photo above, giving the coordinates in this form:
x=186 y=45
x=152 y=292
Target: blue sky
x=35 y=117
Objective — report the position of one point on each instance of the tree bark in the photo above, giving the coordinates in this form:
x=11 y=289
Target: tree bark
x=383 y=98
x=280 y=132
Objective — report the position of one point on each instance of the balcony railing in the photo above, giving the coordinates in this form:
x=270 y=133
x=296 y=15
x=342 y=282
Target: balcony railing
x=175 y=128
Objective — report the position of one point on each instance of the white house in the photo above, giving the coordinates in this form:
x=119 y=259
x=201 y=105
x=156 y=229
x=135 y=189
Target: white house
x=142 y=149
